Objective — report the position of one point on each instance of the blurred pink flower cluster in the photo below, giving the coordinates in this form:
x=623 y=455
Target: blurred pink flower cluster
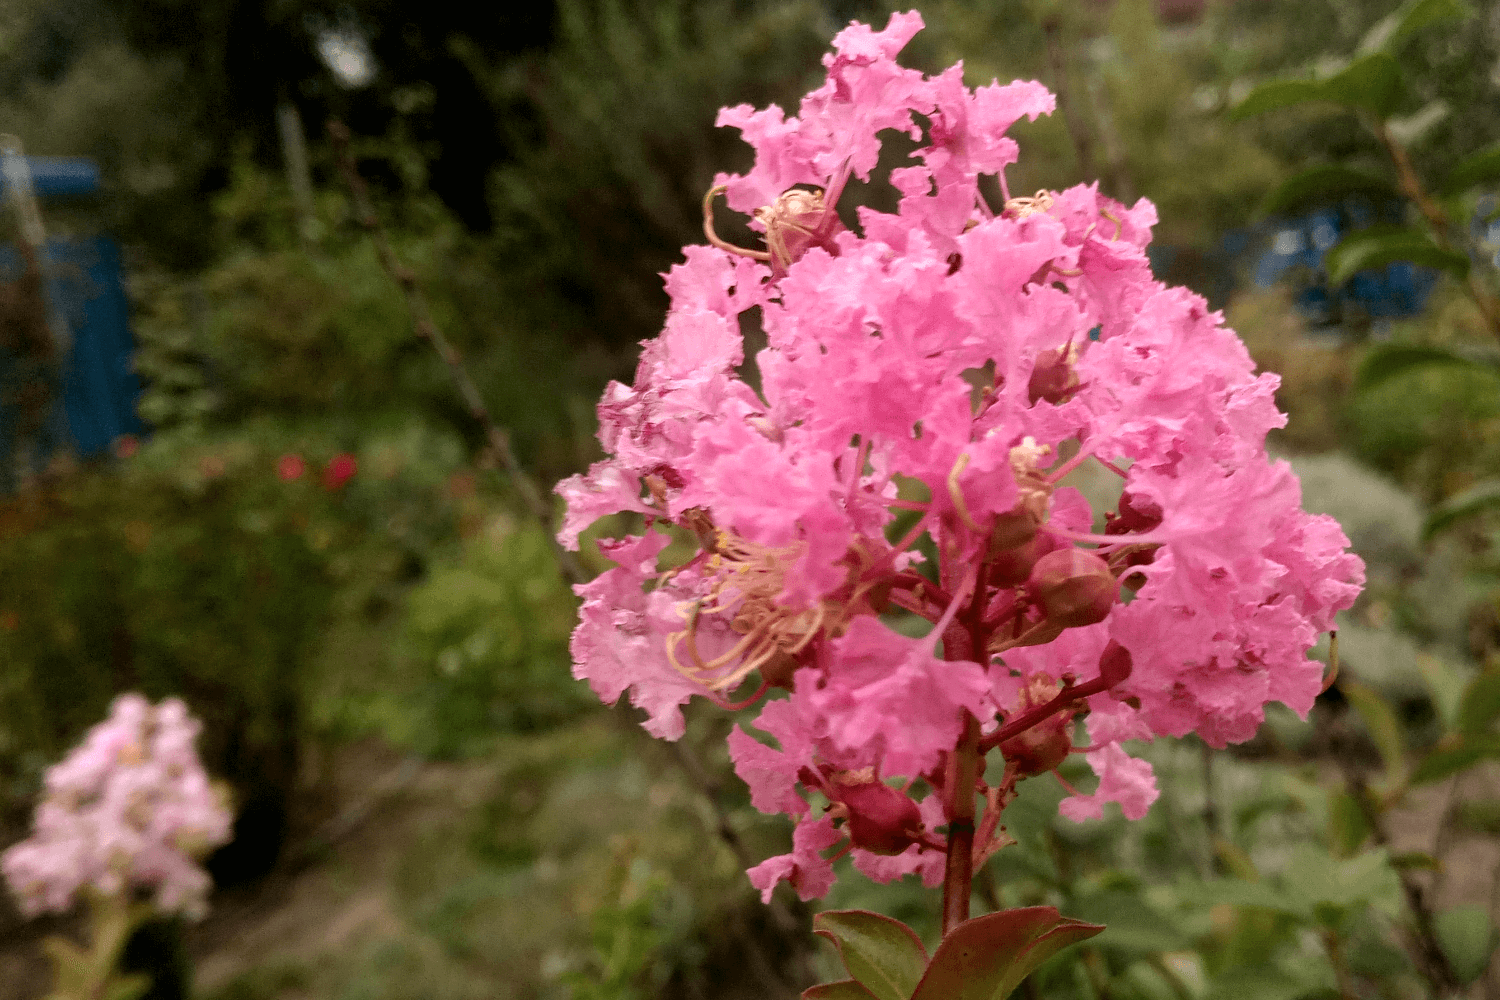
x=947 y=365
x=128 y=811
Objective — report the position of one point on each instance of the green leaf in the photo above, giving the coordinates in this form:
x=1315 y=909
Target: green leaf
x=1467 y=939
x=1380 y=719
x=1260 y=895
x=1371 y=83
x=843 y=989
x=1382 y=245
x=1453 y=755
x=1389 y=360
x=1262 y=983
x=1483 y=495
x=1412 y=16
x=1481 y=167
x=1479 y=816
x=1446 y=683
x=883 y=954
x=1328 y=885
x=131 y=987
x=1412 y=861
x=1347 y=826
x=987 y=957
x=1480 y=706
x=1323 y=183
x=1132 y=925
x=1277 y=94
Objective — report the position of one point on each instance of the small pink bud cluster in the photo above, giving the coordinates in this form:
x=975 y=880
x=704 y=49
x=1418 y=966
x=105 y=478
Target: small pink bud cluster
x=130 y=810
x=952 y=361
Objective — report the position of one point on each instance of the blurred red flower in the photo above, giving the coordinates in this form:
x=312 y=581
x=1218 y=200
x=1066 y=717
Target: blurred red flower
x=340 y=469
x=290 y=466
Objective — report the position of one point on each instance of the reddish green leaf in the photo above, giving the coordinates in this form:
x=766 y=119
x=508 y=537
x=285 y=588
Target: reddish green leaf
x=883 y=954
x=843 y=989
x=987 y=957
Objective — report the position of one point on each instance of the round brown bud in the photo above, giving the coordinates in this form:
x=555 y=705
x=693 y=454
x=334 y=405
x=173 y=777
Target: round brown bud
x=1073 y=587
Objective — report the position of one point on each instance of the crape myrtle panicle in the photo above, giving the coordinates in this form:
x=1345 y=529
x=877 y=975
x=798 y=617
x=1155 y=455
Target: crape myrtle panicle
x=867 y=410
x=129 y=812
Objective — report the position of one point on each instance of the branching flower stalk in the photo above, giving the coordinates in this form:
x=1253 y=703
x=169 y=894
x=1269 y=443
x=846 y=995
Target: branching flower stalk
x=1183 y=606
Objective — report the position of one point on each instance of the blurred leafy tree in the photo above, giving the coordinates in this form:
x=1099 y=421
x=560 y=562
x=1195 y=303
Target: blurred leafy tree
x=608 y=180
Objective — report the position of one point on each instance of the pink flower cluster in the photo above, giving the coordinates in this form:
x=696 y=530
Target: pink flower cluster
x=947 y=365
x=129 y=810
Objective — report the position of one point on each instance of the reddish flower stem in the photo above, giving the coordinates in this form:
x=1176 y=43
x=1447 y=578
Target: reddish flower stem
x=1041 y=713
x=958 y=872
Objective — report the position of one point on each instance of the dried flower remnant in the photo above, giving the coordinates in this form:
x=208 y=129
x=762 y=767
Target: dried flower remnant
x=793 y=492
x=129 y=812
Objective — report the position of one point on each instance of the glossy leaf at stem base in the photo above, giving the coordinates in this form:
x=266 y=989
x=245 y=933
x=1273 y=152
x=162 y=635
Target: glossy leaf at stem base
x=881 y=953
x=987 y=957
x=843 y=989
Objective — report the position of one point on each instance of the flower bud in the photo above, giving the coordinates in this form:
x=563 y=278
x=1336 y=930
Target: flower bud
x=1041 y=748
x=882 y=819
x=795 y=223
x=1053 y=377
x=1072 y=587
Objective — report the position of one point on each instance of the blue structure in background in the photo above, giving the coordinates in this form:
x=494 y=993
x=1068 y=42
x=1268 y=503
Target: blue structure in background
x=1292 y=250
x=1297 y=248
x=95 y=402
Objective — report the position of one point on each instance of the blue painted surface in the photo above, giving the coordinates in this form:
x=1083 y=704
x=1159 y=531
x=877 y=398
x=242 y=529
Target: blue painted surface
x=94 y=388
x=56 y=177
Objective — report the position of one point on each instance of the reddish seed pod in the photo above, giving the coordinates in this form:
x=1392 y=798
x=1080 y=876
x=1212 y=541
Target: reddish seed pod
x=1073 y=587
x=1114 y=664
x=1053 y=377
x=1137 y=513
x=882 y=819
x=1041 y=748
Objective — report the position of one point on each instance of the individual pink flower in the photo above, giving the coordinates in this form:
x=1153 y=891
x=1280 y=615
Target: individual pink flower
x=947 y=364
x=129 y=811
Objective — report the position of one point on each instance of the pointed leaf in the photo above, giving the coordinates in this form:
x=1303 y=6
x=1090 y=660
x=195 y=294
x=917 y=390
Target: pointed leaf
x=1452 y=755
x=843 y=989
x=1482 y=167
x=1278 y=94
x=1382 y=245
x=1480 y=706
x=987 y=957
x=1371 y=83
x=1381 y=722
x=883 y=954
x=1483 y=495
x=1324 y=183
x=131 y=987
x=1390 y=360
x=1467 y=939
x=1413 y=16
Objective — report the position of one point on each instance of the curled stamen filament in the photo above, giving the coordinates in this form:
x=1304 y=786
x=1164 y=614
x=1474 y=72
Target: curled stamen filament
x=714 y=238
x=955 y=493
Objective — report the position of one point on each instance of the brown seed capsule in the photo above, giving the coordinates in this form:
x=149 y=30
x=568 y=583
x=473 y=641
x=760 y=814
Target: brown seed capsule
x=1072 y=587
